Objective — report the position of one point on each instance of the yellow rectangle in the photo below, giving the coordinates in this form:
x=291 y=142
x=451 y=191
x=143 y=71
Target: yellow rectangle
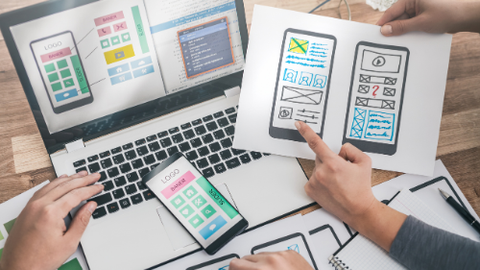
x=119 y=54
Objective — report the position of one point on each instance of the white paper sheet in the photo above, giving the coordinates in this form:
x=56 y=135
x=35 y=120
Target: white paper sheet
x=10 y=210
x=313 y=76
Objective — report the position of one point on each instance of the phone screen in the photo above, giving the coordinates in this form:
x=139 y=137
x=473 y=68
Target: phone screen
x=196 y=204
x=376 y=97
x=303 y=81
x=62 y=72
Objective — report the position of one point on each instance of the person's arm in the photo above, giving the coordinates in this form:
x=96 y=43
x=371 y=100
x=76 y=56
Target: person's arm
x=431 y=16
x=39 y=239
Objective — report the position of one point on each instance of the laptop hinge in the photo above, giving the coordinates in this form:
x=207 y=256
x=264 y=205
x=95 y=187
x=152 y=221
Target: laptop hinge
x=74 y=146
x=232 y=91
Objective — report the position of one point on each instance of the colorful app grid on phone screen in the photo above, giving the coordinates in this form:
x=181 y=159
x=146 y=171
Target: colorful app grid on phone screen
x=194 y=201
x=303 y=80
x=61 y=68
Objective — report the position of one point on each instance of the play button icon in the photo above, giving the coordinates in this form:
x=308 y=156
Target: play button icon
x=379 y=61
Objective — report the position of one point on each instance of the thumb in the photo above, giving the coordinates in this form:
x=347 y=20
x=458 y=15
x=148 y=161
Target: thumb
x=80 y=221
x=400 y=27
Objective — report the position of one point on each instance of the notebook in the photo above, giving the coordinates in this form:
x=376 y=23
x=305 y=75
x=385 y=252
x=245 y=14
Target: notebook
x=361 y=253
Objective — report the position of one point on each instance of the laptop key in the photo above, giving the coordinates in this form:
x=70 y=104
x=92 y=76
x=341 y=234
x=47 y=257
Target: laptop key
x=148 y=195
x=81 y=169
x=125 y=203
x=153 y=166
x=116 y=150
x=124 y=168
x=149 y=159
x=130 y=155
x=151 y=138
x=202 y=163
x=113 y=207
x=108 y=186
x=102 y=199
x=137 y=163
x=141 y=186
x=120 y=181
x=256 y=155
x=219 y=134
x=161 y=155
x=192 y=155
x=118 y=193
x=103 y=176
x=232 y=163
x=143 y=172
x=245 y=158
x=172 y=150
x=230 y=110
x=232 y=118
x=140 y=142
x=79 y=163
x=188 y=134
x=197 y=122
x=184 y=147
x=106 y=163
x=207 y=138
x=118 y=159
x=226 y=143
x=166 y=142
x=177 y=138
x=207 y=118
x=237 y=152
x=112 y=172
x=196 y=142
x=132 y=177
x=211 y=126
x=162 y=134
x=142 y=151
x=127 y=146
x=214 y=147
x=218 y=114
x=93 y=158
x=130 y=189
x=203 y=151
x=223 y=122
x=213 y=158
x=154 y=146
x=186 y=125
x=94 y=167
x=173 y=130
x=230 y=130
x=225 y=154
x=208 y=172
x=200 y=130
x=99 y=212
x=220 y=168
x=136 y=199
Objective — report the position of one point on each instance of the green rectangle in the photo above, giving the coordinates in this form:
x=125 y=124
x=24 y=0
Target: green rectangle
x=77 y=67
x=1 y=236
x=217 y=197
x=65 y=73
x=140 y=31
x=8 y=226
x=68 y=83
x=1 y=251
x=53 y=77
x=49 y=67
x=56 y=86
x=62 y=64
x=71 y=265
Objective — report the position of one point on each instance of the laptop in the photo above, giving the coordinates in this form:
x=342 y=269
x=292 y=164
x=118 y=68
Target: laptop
x=117 y=86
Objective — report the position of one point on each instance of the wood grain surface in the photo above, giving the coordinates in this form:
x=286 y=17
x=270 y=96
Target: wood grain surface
x=24 y=162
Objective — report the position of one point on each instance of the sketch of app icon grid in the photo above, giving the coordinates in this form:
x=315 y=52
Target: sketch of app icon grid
x=290 y=75
x=377 y=79
x=301 y=95
x=218 y=263
x=380 y=62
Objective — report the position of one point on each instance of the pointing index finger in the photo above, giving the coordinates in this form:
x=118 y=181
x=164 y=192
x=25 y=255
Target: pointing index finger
x=318 y=146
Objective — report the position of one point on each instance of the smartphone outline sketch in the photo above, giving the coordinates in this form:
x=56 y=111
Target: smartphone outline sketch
x=284 y=238
x=70 y=105
x=214 y=261
x=369 y=146
x=293 y=134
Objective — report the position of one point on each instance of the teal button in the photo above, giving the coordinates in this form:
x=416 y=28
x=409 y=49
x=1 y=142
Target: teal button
x=105 y=43
x=68 y=83
x=62 y=64
x=53 y=77
x=65 y=73
x=49 y=68
x=56 y=86
x=115 y=40
x=196 y=221
x=208 y=211
x=177 y=201
x=187 y=211
x=199 y=201
x=190 y=192
x=126 y=37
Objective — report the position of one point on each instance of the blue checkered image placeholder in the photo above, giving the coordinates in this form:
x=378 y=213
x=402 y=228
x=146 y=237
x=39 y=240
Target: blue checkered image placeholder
x=358 y=123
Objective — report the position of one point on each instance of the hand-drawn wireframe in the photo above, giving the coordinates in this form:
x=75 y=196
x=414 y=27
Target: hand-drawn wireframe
x=218 y=263
x=376 y=97
x=285 y=113
x=295 y=241
x=303 y=81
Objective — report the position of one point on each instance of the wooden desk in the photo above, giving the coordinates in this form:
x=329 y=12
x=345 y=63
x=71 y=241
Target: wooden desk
x=24 y=162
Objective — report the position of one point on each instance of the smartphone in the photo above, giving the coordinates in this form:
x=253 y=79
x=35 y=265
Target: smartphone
x=195 y=203
x=303 y=82
x=60 y=66
x=376 y=97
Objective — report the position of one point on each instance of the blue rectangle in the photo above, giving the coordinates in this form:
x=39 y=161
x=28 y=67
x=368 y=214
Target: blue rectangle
x=192 y=17
x=141 y=62
x=118 y=69
x=212 y=227
x=203 y=32
x=122 y=78
x=143 y=71
x=380 y=126
x=66 y=95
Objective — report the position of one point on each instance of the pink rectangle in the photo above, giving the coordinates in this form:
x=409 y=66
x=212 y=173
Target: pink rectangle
x=56 y=54
x=120 y=26
x=104 y=31
x=181 y=182
x=109 y=18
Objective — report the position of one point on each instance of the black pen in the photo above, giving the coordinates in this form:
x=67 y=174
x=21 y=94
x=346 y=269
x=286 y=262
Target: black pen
x=461 y=211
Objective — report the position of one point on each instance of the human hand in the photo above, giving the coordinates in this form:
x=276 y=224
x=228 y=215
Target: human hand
x=431 y=16
x=39 y=238
x=283 y=260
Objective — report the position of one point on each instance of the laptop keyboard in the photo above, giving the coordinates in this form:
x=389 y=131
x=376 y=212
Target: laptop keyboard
x=206 y=142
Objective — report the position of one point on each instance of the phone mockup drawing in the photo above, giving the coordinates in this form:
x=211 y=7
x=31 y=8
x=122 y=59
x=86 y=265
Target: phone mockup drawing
x=376 y=97
x=303 y=82
x=195 y=203
x=61 y=69
x=221 y=263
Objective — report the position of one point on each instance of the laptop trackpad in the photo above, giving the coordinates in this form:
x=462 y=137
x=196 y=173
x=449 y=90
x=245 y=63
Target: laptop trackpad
x=179 y=237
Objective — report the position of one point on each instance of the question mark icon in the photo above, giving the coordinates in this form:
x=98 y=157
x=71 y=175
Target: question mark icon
x=376 y=87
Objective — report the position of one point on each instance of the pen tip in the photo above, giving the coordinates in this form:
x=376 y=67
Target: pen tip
x=444 y=194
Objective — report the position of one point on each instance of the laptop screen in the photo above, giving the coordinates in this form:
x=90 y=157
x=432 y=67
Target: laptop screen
x=98 y=67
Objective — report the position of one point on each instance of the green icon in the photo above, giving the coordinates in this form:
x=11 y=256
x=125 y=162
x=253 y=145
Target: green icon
x=1 y=236
x=53 y=77
x=65 y=73
x=190 y=192
x=208 y=211
x=71 y=265
x=187 y=211
x=49 y=67
x=115 y=40
x=178 y=201
x=199 y=201
x=62 y=64
x=68 y=83
x=196 y=221
x=105 y=43
x=125 y=37
x=9 y=225
x=56 y=86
